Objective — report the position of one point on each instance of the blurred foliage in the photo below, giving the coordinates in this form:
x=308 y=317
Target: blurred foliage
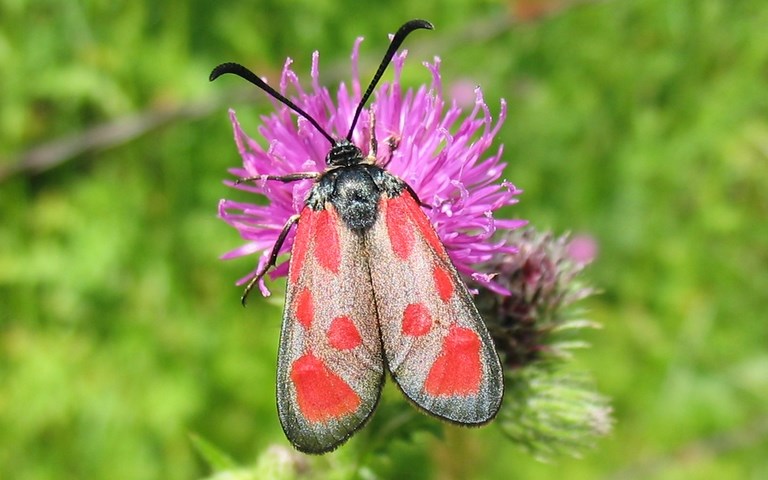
x=641 y=123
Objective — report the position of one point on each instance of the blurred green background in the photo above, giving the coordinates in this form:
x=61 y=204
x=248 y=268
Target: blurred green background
x=642 y=123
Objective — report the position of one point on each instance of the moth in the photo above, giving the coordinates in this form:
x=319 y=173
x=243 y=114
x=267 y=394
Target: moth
x=371 y=288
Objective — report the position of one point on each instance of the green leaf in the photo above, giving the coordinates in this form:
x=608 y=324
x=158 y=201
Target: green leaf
x=216 y=458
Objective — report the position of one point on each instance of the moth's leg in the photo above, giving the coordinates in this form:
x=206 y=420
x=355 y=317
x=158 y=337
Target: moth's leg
x=291 y=177
x=272 y=257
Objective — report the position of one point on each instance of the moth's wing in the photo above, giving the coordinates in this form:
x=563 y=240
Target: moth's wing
x=330 y=365
x=435 y=342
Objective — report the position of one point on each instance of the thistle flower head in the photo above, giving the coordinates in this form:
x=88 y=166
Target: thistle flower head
x=431 y=144
x=541 y=283
x=548 y=409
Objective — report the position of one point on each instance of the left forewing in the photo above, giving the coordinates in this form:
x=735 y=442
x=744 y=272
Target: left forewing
x=435 y=343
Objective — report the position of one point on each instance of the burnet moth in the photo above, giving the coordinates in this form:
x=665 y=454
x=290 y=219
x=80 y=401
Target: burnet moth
x=370 y=284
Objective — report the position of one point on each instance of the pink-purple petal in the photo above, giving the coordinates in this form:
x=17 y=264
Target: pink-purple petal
x=440 y=153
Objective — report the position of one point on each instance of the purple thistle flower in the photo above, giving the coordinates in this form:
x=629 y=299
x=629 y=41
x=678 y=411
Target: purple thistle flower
x=549 y=409
x=439 y=153
x=529 y=324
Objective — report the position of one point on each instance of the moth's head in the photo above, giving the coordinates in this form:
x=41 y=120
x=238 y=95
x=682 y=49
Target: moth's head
x=343 y=154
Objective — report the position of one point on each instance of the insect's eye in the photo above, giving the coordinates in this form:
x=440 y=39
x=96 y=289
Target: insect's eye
x=343 y=153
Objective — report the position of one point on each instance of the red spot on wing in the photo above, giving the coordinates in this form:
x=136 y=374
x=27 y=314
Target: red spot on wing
x=423 y=225
x=327 y=240
x=416 y=320
x=301 y=243
x=457 y=369
x=321 y=394
x=399 y=227
x=443 y=283
x=305 y=308
x=343 y=334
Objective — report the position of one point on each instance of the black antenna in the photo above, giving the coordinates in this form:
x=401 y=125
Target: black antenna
x=397 y=40
x=241 y=71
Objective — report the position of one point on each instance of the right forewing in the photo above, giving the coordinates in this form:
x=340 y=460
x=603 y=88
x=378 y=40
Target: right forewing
x=330 y=364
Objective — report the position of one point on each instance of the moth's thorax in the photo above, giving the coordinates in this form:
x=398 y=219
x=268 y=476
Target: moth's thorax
x=344 y=154
x=354 y=191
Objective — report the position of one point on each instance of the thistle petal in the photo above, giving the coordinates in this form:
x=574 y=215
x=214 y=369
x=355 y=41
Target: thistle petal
x=441 y=153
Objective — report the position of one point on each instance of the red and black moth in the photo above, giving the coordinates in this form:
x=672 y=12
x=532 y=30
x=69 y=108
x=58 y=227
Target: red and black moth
x=370 y=285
